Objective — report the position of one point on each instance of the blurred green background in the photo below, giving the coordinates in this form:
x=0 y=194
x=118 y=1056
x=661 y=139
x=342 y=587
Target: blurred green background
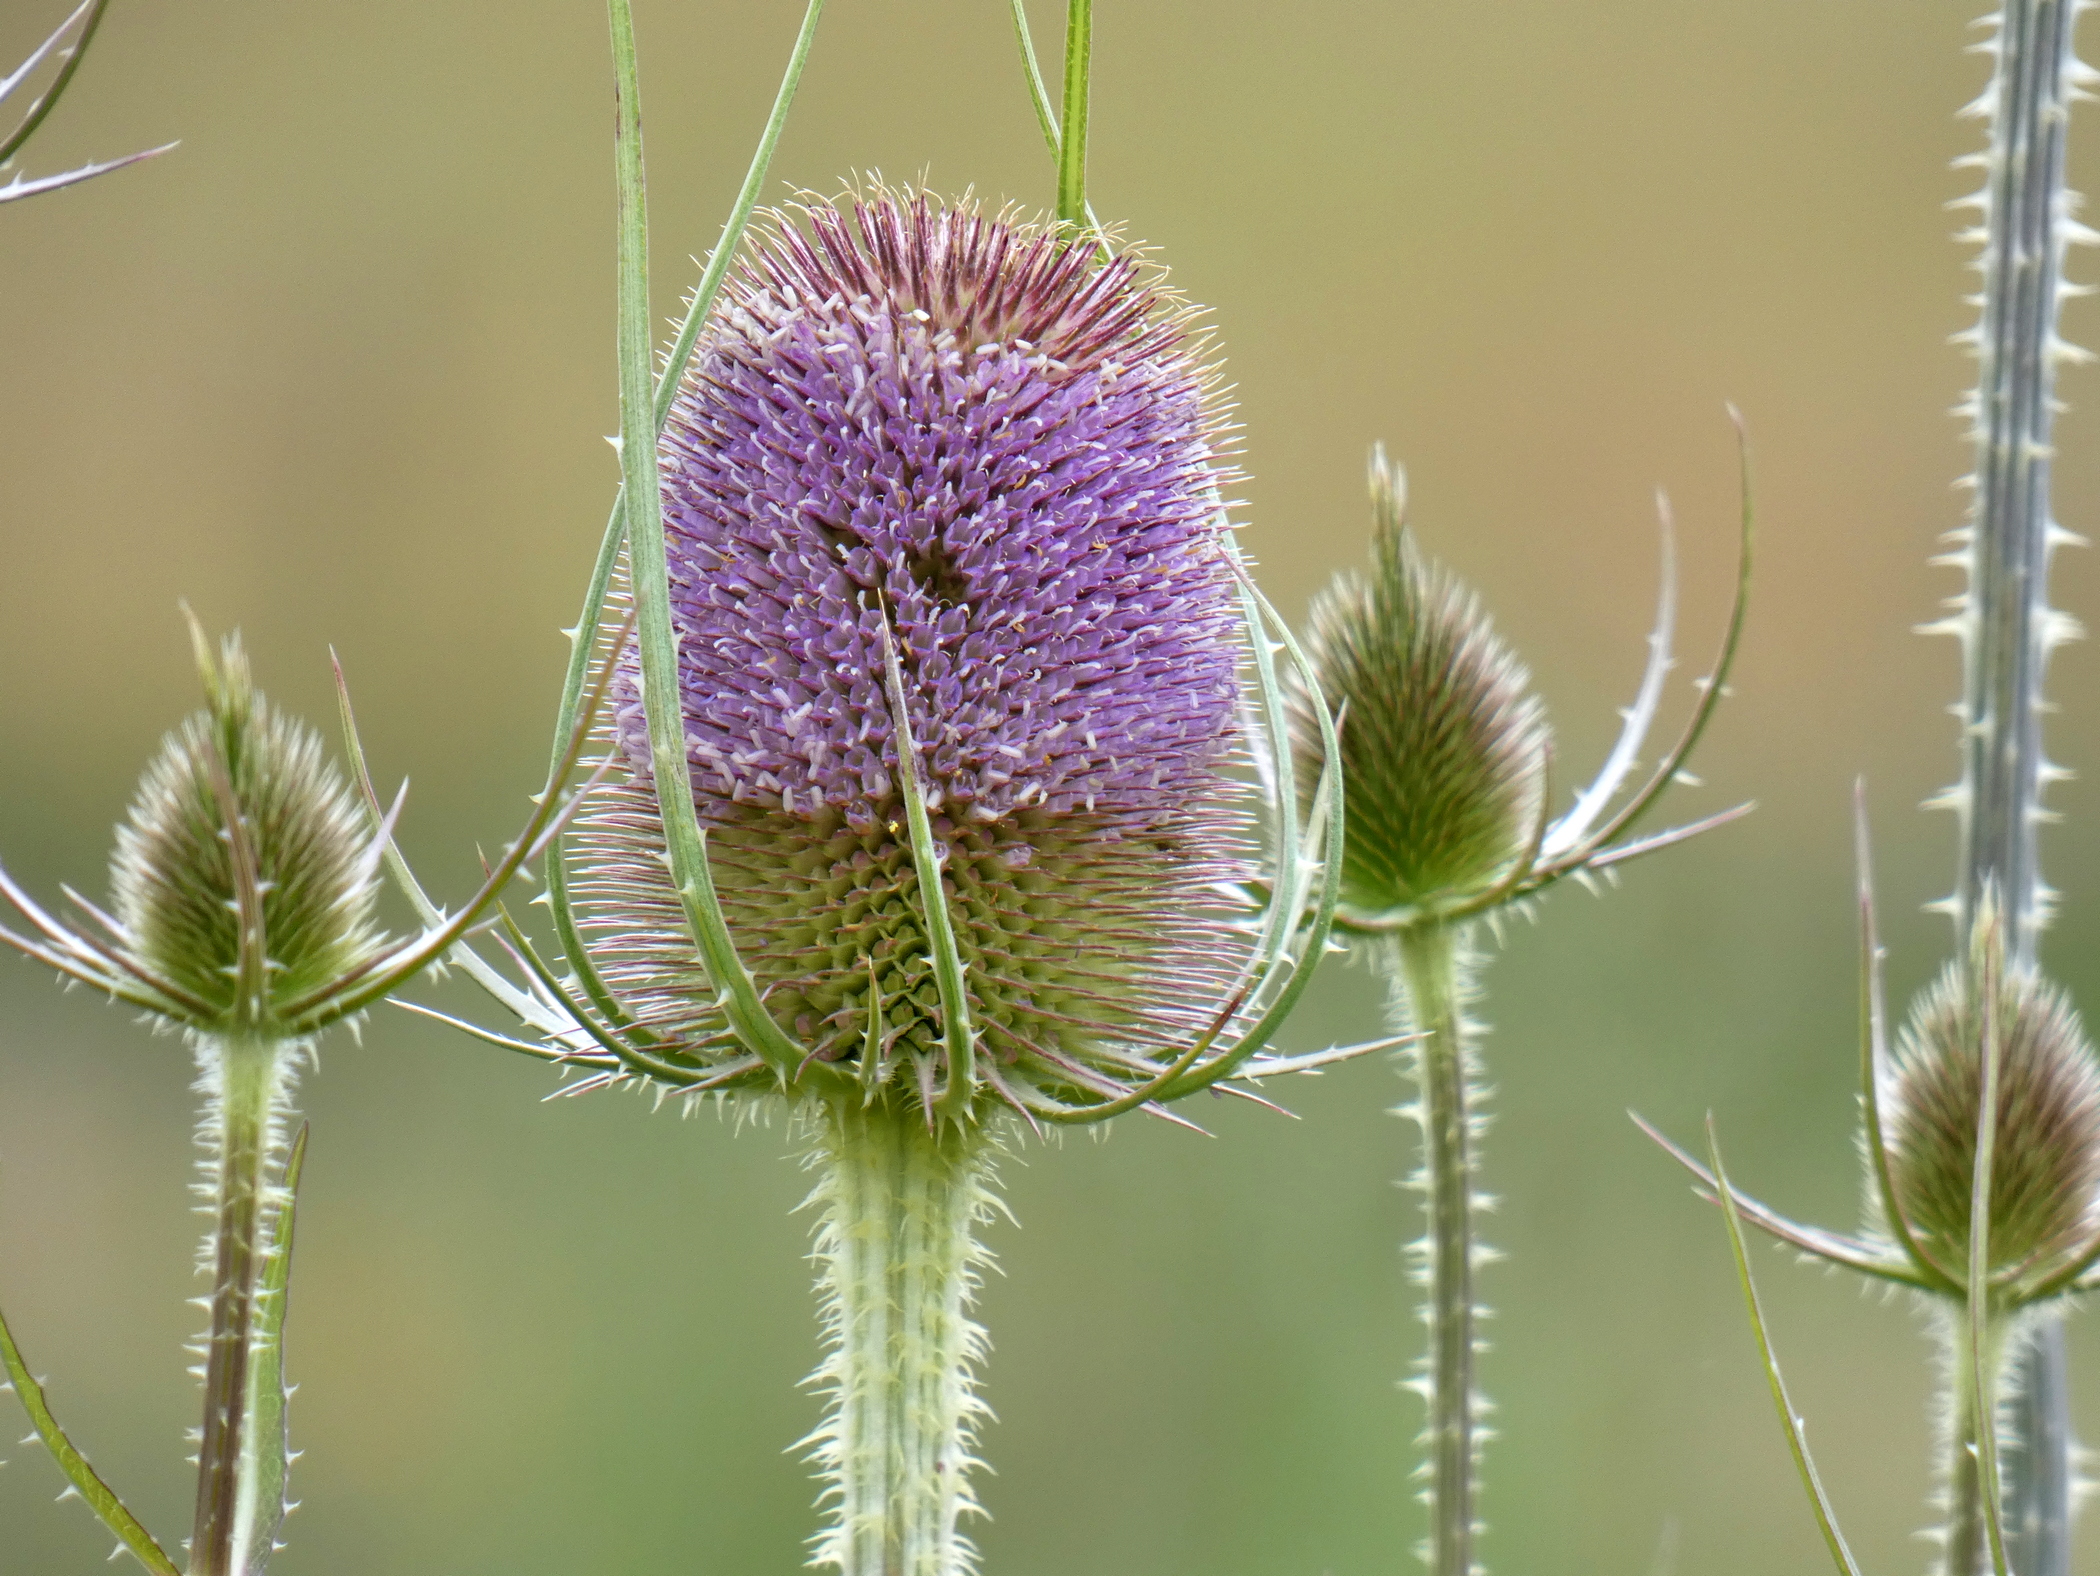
x=336 y=370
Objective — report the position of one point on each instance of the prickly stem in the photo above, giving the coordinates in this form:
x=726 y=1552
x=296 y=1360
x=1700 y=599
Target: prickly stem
x=2006 y=625
x=898 y=1257
x=1428 y=968
x=244 y=1083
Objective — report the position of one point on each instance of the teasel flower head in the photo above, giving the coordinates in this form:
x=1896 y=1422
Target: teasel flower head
x=243 y=884
x=2044 y=1187
x=1442 y=738
x=179 y=875
x=1988 y=1038
x=959 y=636
x=244 y=878
x=1445 y=751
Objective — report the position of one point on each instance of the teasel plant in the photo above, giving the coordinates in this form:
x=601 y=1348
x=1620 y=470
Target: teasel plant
x=1444 y=761
x=1992 y=1096
x=241 y=917
x=937 y=820
x=80 y=29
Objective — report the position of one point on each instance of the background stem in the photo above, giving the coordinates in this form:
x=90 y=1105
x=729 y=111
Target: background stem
x=898 y=1259
x=243 y=1078
x=1430 y=992
x=2008 y=628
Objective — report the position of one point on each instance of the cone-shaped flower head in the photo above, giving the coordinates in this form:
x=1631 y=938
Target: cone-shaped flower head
x=2045 y=1164
x=239 y=924
x=1443 y=746
x=919 y=430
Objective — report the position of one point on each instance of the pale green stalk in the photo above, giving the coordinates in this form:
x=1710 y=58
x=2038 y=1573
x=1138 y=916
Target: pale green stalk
x=1071 y=145
x=2007 y=627
x=1970 y=1404
x=897 y=1259
x=1427 y=967
x=240 y=1457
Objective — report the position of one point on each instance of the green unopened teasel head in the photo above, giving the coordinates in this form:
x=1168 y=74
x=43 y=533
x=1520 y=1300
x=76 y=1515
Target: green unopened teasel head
x=2045 y=1170
x=1443 y=745
x=185 y=886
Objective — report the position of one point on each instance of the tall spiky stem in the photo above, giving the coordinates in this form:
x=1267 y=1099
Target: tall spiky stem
x=244 y=1081
x=898 y=1257
x=2006 y=625
x=1428 y=968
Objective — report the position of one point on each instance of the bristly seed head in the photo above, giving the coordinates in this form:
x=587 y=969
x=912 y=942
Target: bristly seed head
x=2045 y=1171
x=1443 y=746
x=178 y=873
x=917 y=425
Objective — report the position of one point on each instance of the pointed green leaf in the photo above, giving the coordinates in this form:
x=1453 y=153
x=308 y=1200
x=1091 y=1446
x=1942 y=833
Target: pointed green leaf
x=1873 y=1053
x=1039 y=95
x=958 y=1034
x=268 y=1439
x=1981 y=1320
x=1790 y=1420
x=584 y=638
x=684 y=840
x=101 y=1499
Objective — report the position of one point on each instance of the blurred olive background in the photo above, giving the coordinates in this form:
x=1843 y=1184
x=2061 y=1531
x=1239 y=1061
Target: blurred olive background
x=336 y=371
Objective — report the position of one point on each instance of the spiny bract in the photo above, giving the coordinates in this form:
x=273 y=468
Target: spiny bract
x=995 y=450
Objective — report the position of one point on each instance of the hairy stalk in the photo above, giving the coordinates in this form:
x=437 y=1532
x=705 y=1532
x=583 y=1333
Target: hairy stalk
x=898 y=1258
x=2004 y=620
x=244 y=1083
x=1968 y=1549
x=1429 y=969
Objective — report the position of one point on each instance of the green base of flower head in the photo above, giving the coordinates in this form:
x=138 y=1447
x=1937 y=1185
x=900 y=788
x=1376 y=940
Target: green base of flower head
x=1066 y=935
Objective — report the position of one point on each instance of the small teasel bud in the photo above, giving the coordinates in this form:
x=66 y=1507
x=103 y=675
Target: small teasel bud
x=2045 y=1164
x=1443 y=746
x=241 y=821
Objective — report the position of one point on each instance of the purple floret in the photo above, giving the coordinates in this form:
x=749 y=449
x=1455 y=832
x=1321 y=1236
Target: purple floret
x=974 y=432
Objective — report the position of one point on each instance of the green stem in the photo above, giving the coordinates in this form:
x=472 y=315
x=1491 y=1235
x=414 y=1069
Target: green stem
x=1430 y=978
x=1071 y=147
x=244 y=1082
x=1968 y=1524
x=898 y=1261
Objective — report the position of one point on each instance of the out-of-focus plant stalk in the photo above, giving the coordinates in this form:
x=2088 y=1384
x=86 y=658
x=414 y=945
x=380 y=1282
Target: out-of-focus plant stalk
x=2008 y=629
